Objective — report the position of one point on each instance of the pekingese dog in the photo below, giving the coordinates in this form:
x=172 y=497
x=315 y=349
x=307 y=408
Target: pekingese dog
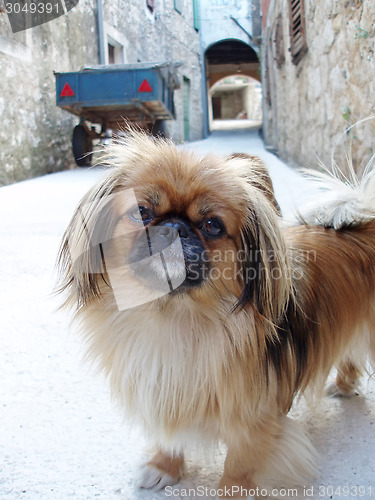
x=207 y=316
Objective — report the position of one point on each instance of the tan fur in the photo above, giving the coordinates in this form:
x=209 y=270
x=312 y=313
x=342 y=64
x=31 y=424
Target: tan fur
x=168 y=464
x=212 y=365
x=335 y=290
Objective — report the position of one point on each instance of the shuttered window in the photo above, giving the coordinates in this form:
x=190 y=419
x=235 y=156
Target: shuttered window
x=297 y=29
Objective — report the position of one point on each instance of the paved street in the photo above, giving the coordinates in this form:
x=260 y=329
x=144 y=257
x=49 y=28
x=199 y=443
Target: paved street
x=60 y=435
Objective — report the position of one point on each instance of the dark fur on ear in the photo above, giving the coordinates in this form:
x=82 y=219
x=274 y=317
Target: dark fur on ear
x=251 y=269
x=265 y=266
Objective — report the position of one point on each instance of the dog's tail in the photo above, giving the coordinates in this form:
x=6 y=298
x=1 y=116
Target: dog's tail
x=344 y=199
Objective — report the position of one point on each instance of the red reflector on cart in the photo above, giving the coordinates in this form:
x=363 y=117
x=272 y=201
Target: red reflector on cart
x=67 y=91
x=145 y=87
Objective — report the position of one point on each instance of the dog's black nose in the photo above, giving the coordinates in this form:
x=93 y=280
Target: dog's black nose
x=179 y=244
x=179 y=225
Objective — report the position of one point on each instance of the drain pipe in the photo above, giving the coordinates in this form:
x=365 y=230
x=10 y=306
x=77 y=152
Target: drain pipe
x=101 y=45
x=204 y=94
x=243 y=29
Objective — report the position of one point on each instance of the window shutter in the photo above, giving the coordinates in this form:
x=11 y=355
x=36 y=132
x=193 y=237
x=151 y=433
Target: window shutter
x=297 y=30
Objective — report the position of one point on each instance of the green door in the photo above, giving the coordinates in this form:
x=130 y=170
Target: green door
x=186 y=97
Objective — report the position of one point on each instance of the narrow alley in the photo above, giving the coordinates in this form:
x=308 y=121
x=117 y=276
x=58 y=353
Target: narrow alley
x=60 y=436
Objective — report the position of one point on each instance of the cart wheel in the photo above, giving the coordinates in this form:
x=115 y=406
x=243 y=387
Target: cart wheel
x=82 y=146
x=158 y=128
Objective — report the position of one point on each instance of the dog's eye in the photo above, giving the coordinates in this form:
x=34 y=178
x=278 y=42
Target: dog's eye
x=213 y=228
x=141 y=214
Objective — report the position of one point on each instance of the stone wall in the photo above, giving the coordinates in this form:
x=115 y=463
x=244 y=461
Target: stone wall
x=310 y=106
x=35 y=135
x=166 y=34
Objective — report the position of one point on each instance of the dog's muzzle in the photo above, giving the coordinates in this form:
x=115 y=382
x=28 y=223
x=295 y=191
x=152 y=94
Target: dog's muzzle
x=170 y=251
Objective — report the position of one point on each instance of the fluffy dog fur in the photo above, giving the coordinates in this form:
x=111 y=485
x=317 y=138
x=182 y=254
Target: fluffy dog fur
x=223 y=359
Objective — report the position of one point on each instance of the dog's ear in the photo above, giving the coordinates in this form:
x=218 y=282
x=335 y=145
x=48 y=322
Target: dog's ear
x=265 y=266
x=257 y=174
x=81 y=265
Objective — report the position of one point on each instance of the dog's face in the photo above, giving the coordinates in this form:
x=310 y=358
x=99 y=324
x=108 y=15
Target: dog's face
x=177 y=231
x=181 y=240
x=167 y=224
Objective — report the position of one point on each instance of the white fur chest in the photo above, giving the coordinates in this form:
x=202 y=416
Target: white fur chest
x=168 y=371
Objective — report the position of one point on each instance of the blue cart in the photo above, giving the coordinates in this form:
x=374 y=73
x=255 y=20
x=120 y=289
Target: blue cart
x=110 y=95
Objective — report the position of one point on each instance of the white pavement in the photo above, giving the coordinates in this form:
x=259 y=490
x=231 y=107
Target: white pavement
x=60 y=435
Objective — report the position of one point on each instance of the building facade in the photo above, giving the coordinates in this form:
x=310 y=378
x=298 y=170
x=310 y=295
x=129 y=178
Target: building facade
x=318 y=70
x=35 y=136
x=230 y=38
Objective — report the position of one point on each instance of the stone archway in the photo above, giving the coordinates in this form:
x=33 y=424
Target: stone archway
x=228 y=57
x=228 y=61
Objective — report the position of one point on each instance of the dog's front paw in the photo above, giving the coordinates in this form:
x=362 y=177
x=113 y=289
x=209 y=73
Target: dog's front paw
x=150 y=477
x=162 y=470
